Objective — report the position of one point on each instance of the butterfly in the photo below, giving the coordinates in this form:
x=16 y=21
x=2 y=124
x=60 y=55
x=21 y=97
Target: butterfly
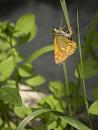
x=64 y=46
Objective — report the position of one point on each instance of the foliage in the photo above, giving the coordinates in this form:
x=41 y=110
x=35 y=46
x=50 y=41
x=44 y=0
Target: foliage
x=13 y=67
x=62 y=106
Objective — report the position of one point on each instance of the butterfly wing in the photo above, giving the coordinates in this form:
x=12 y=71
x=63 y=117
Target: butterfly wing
x=63 y=48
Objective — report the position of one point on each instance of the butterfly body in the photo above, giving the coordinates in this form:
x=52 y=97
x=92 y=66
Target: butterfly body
x=64 y=46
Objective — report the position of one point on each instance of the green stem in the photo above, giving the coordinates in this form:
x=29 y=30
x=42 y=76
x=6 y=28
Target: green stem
x=81 y=63
x=65 y=11
x=67 y=89
x=4 y=113
x=66 y=79
x=10 y=42
x=78 y=79
x=82 y=72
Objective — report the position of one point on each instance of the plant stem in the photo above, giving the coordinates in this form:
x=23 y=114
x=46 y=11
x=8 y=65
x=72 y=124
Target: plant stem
x=82 y=71
x=78 y=79
x=81 y=63
x=67 y=89
x=66 y=79
x=4 y=112
x=65 y=11
x=10 y=42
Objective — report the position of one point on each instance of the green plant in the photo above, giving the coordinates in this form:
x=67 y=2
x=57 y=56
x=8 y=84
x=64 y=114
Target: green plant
x=14 y=69
x=62 y=107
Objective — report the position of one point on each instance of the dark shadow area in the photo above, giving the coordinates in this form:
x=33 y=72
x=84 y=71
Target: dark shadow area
x=7 y=7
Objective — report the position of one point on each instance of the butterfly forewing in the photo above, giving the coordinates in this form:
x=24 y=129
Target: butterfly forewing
x=63 y=48
x=62 y=42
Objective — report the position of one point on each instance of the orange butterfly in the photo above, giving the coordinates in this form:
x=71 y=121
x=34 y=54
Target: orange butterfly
x=64 y=46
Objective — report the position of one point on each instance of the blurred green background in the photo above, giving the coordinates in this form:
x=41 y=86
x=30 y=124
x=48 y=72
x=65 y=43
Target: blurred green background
x=48 y=14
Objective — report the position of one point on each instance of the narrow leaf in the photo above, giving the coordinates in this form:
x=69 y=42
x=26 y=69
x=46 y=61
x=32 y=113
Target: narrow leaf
x=39 y=52
x=73 y=122
x=30 y=117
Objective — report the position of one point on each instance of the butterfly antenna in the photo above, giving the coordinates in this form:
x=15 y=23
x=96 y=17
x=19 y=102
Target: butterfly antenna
x=61 y=25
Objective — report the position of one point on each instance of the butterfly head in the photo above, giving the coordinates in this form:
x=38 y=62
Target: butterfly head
x=58 y=32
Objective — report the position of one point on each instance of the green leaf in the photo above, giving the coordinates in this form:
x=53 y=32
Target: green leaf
x=75 y=123
x=40 y=127
x=25 y=70
x=12 y=125
x=22 y=38
x=57 y=88
x=11 y=83
x=30 y=117
x=52 y=125
x=91 y=34
x=39 y=52
x=95 y=92
x=89 y=67
x=72 y=88
x=4 y=45
x=35 y=81
x=7 y=28
x=7 y=128
x=4 y=42
x=72 y=121
x=76 y=102
x=59 y=128
x=26 y=25
x=7 y=67
x=18 y=57
x=3 y=55
x=94 y=108
x=55 y=104
x=1 y=121
x=22 y=111
x=63 y=123
x=10 y=95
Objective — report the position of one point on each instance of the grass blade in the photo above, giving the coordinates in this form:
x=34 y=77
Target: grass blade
x=64 y=8
x=82 y=72
x=73 y=122
x=36 y=113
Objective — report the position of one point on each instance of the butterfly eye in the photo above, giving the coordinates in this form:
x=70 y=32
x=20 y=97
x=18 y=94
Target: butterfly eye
x=59 y=34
